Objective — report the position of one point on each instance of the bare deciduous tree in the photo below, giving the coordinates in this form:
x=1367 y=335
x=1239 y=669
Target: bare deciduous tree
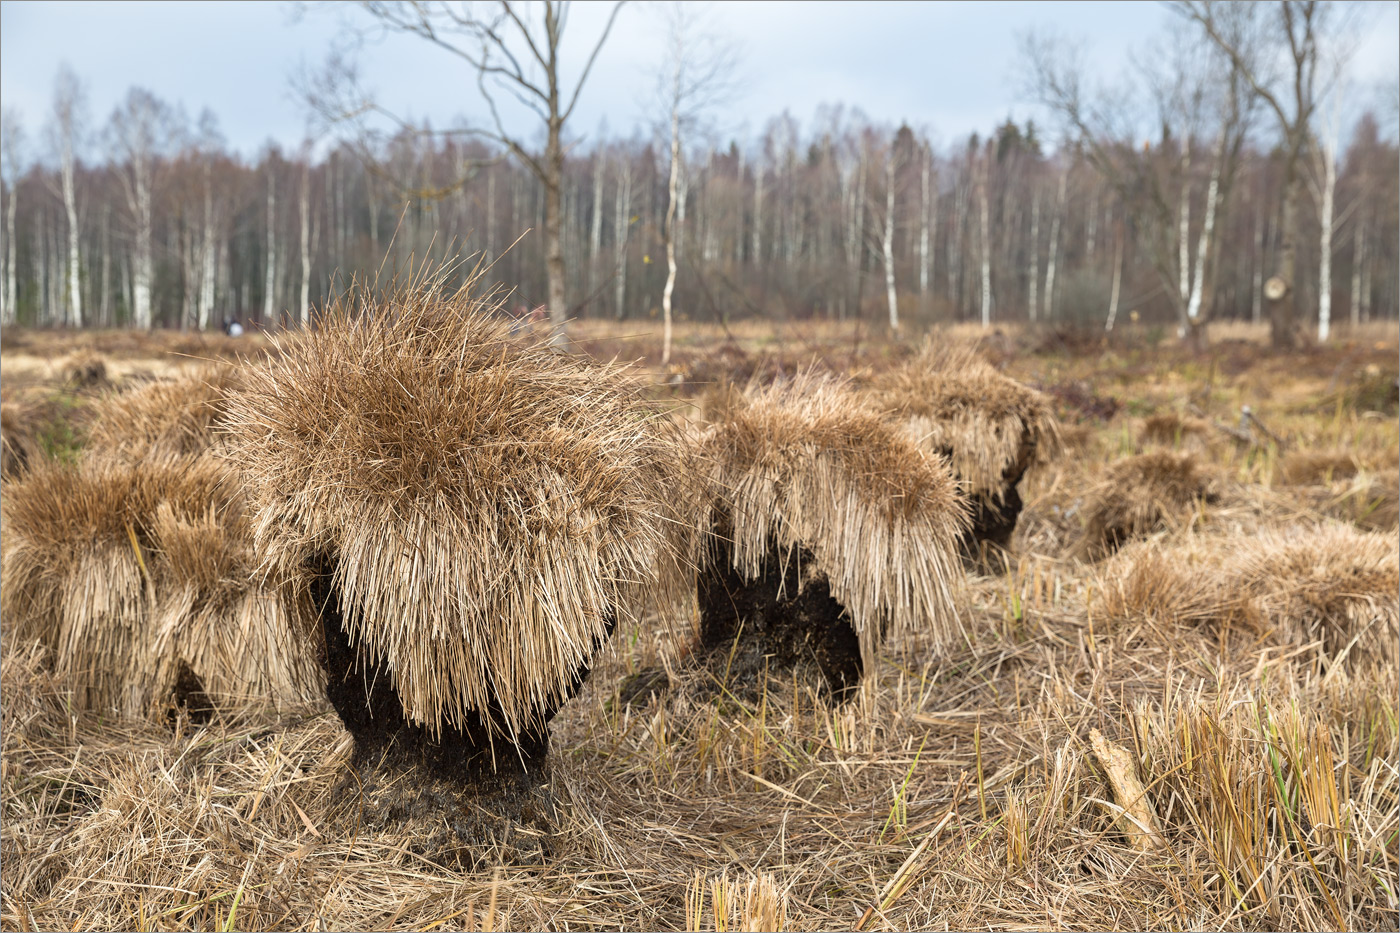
x=514 y=49
x=1255 y=37
x=139 y=132
x=697 y=74
x=11 y=161
x=69 y=107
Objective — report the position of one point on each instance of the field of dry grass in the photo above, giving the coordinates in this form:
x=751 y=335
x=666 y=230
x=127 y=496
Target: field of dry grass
x=1192 y=726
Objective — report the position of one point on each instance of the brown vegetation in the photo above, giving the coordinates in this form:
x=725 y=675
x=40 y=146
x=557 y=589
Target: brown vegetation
x=958 y=788
x=1142 y=494
x=176 y=416
x=129 y=573
x=808 y=468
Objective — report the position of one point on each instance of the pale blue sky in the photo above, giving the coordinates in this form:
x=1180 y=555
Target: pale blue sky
x=948 y=67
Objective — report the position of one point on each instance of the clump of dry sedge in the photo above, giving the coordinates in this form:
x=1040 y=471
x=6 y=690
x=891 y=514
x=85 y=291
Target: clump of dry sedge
x=1317 y=468
x=1171 y=429
x=1139 y=495
x=84 y=370
x=488 y=511
x=990 y=427
x=810 y=464
x=168 y=417
x=130 y=573
x=1330 y=583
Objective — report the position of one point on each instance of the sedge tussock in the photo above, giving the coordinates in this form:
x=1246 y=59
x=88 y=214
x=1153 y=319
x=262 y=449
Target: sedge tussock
x=1330 y=583
x=1139 y=495
x=1172 y=584
x=84 y=370
x=1172 y=430
x=488 y=511
x=125 y=571
x=167 y=417
x=990 y=427
x=21 y=421
x=809 y=464
x=1317 y=467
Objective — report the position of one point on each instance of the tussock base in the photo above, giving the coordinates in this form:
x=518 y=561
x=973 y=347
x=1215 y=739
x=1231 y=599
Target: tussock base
x=785 y=619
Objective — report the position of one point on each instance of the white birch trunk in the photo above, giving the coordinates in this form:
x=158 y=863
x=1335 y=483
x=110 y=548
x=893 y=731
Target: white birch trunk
x=671 y=192
x=986 y=247
x=270 y=262
x=207 y=253
x=1193 y=304
x=925 y=253
x=1052 y=259
x=1324 y=272
x=141 y=262
x=11 y=277
x=106 y=318
x=1035 y=255
x=887 y=244
x=621 y=230
x=70 y=206
x=305 y=303
x=595 y=233
x=1117 y=283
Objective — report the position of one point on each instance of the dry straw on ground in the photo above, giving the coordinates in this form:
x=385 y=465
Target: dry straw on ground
x=1139 y=495
x=489 y=510
x=129 y=571
x=810 y=464
x=991 y=427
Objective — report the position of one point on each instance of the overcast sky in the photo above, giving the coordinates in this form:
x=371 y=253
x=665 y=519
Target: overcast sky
x=947 y=67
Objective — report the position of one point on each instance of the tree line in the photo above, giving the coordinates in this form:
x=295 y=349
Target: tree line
x=148 y=219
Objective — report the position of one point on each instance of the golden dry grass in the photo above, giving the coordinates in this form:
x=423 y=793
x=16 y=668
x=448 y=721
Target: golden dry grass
x=809 y=464
x=489 y=510
x=125 y=571
x=959 y=789
x=175 y=416
x=990 y=427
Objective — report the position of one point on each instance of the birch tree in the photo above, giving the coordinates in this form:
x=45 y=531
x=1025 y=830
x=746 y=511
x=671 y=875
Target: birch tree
x=1254 y=38
x=697 y=74
x=514 y=50
x=69 y=104
x=11 y=167
x=139 y=132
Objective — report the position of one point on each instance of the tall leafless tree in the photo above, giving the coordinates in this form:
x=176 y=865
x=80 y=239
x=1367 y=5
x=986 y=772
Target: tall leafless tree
x=514 y=49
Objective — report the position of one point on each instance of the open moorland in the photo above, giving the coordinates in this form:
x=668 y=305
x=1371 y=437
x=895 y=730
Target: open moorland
x=1174 y=706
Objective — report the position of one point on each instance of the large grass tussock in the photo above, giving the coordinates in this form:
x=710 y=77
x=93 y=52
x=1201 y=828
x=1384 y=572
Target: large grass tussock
x=488 y=510
x=1142 y=494
x=811 y=464
x=125 y=572
x=168 y=417
x=989 y=426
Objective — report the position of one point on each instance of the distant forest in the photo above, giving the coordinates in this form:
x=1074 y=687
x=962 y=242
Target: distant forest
x=155 y=223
